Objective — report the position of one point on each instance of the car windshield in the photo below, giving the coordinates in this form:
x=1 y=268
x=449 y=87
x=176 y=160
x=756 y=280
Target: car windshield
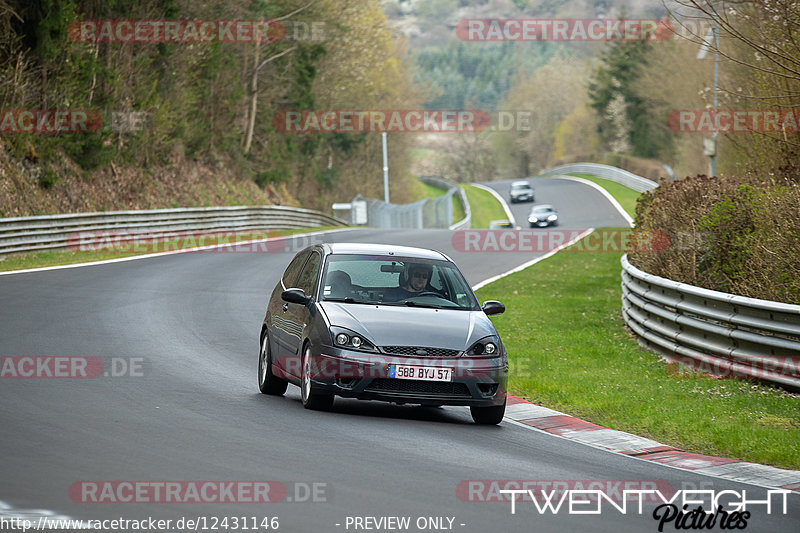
x=384 y=280
x=542 y=210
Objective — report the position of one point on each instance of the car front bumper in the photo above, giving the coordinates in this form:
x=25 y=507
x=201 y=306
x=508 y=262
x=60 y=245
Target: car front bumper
x=476 y=381
x=542 y=223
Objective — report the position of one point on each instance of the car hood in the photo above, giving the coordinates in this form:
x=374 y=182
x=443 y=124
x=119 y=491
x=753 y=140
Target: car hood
x=386 y=325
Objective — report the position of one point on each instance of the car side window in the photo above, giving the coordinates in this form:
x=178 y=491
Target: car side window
x=308 y=277
x=290 y=275
x=436 y=280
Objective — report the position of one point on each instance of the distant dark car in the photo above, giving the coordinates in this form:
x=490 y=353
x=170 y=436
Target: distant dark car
x=543 y=215
x=521 y=191
x=338 y=323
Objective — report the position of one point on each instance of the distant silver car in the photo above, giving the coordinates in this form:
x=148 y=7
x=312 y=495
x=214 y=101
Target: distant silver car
x=382 y=322
x=521 y=191
x=543 y=215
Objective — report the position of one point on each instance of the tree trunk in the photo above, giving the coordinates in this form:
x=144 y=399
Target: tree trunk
x=251 y=117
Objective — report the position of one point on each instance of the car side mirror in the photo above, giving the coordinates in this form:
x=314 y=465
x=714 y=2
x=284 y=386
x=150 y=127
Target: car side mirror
x=295 y=296
x=493 y=307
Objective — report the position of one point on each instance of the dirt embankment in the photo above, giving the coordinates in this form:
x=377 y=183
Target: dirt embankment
x=181 y=183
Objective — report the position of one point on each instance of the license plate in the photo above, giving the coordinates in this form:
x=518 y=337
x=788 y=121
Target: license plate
x=425 y=373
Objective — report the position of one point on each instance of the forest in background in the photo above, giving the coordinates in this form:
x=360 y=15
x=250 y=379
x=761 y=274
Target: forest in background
x=608 y=102
x=204 y=109
x=207 y=135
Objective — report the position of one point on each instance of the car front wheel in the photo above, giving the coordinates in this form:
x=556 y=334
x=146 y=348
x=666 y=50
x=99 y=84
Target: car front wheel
x=312 y=399
x=488 y=415
x=268 y=383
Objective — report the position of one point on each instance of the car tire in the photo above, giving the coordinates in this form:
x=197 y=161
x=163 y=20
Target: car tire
x=312 y=399
x=488 y=415
x=268 y=383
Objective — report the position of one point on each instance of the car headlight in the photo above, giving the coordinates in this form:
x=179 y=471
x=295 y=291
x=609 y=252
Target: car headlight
x=533 y=219
x=552 y=218
x=486 y=347
x=344 y=338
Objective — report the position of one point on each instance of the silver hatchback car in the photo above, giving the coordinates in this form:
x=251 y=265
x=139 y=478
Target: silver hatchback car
x=381 y=322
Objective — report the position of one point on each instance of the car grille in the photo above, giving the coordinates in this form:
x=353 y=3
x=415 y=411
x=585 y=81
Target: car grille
x=411 y=351
x=413 y=386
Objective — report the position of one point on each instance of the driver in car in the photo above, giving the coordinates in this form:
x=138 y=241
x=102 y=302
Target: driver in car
x=418 y=277
x=413 y=281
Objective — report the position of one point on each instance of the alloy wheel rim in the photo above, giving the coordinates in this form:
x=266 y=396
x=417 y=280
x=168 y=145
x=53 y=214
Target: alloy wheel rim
x=263 y=361
x=306 y=377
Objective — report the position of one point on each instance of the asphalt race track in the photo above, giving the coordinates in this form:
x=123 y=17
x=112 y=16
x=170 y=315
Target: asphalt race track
x=192 y=321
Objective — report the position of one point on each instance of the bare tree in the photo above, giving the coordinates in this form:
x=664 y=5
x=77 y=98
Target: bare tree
x=763 y=40
x=258 y=65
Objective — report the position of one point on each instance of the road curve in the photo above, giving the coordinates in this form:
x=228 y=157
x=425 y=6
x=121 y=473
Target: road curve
x=196 y=414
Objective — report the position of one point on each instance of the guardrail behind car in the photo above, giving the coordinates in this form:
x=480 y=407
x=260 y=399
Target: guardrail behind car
x=37 y=233
x=428 y=213
x=712 y=331
x=619 y=175
x=461 y=196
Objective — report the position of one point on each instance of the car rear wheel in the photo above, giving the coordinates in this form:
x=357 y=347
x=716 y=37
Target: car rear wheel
x=312 y=399
x=268 y=383
x=488 y=415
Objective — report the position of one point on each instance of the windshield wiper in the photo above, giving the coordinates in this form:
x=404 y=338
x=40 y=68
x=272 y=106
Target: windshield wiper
x=348 y=300
x=412 y=303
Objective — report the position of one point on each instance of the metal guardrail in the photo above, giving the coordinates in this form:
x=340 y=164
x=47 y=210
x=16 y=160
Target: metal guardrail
x=619 y=175
x=428 y=213
x=711 y=331
x=27 y=234
x=452 y=188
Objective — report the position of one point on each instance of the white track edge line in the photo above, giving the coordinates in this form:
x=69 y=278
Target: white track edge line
x=532 y=261
x=171 y=252
x=604 y=192
x=499 y=199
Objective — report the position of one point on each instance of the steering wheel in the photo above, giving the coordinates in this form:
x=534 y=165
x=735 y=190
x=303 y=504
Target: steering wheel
x=427 y=293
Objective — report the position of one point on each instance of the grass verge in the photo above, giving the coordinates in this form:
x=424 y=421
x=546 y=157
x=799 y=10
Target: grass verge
x=622 y=194
x=69 y=257
x=428 y=191
x=577 y=357
x=484 y=207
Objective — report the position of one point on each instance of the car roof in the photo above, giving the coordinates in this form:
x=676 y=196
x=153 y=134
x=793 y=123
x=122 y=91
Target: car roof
x=542 y=206
x=383 y=249
x=520 y=183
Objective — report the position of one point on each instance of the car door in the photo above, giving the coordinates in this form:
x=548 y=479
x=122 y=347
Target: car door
x=280 y=338
x=297 y=316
